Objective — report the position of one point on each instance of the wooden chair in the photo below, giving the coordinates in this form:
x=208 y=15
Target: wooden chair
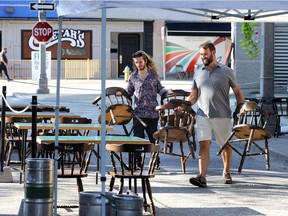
x=176 y=127
x=77 y=166
x=280 y=108
x=73 y=159
x=250 y=130
x=75 y=120
x=14 y=138
x=127 y=152
x=119 y=109
x=48 y=150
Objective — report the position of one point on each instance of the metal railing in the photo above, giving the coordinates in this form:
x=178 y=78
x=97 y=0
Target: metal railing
x=70 y=69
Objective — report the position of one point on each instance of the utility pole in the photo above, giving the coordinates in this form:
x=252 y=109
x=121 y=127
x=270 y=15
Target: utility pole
x=43 y=81
x=267 y=62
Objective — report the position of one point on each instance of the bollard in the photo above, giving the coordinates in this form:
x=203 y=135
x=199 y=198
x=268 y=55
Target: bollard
x=39 y=187
x=127 y=205
x=90 y=203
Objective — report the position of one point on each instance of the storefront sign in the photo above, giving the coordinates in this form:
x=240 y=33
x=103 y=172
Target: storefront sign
x=76 y=44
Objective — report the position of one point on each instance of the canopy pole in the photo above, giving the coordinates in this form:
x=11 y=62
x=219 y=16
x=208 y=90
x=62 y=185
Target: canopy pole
x=56 y=123
x=103 y=118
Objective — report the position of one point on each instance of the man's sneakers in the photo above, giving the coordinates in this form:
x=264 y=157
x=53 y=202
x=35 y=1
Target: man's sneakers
x=227 y=178
x=199 y=181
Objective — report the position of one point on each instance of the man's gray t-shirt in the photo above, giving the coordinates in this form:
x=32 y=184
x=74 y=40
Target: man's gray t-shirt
x=213 y=91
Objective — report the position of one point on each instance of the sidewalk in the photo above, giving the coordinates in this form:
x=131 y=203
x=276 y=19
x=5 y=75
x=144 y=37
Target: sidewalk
x=21 y=93
x=255 y=191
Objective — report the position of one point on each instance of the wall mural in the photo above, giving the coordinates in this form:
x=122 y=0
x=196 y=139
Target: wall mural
x=184 y=50
x=76 y=44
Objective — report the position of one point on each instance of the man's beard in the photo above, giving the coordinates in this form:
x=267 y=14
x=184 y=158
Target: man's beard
x=207 y=61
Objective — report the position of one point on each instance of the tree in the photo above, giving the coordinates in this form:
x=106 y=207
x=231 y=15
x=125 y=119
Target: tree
x=248 y=41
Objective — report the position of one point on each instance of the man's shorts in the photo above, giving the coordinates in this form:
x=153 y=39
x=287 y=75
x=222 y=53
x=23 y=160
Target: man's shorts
x=207 y=127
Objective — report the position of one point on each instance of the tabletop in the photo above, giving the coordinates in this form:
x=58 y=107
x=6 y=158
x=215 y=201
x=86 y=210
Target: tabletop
x=92 y=139
x=41 y=114
x=51 y=126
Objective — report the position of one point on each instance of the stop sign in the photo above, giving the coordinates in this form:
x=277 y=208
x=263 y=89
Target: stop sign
x=42 y=31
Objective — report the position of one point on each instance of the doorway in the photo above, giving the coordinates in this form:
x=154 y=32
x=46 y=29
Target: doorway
x=128 y=43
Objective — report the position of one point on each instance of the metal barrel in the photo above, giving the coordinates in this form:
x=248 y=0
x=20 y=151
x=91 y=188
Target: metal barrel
x=39 y=187
x=127 y=205
x=90 y=203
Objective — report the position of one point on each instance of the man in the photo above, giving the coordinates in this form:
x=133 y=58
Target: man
x=4 y=63
x=210 y=88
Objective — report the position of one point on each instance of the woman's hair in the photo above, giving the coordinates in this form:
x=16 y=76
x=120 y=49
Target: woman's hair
x=149 y=61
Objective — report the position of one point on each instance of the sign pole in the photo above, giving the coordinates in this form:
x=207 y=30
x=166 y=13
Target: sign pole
x=43 y=81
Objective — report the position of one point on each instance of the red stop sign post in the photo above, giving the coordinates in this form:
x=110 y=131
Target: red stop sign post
x=42 y=31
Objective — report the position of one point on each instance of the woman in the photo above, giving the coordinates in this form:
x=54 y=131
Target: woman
x=143 y=86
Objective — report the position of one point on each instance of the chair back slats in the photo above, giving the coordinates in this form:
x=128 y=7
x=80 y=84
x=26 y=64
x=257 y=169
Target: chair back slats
x=132 y=150
x=74 y=120
x=176 y=126
x=170 y=117
x=13 y=137
x=252 y=114
x=280 y=108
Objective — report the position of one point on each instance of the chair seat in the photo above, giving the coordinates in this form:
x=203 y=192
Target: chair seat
x=172 y=134
x=119 y=114
x=243 y=131
x=137 y=175
x=76 y=173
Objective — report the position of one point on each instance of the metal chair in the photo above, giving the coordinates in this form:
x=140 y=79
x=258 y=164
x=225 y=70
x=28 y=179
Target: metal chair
x=181 y=74
x=120 y=170
x=176 y=127
x=249 y=129
x=280 y=108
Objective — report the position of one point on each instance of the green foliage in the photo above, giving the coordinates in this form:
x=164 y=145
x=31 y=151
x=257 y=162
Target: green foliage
x=247 y=42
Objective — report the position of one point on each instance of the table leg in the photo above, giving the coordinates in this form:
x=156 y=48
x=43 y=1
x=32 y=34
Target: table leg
x=23 y=154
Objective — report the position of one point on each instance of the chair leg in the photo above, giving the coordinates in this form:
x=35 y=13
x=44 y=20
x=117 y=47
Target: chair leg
x=121 y=186
x=227 y=143
x=243 y=156
x=145 y=205
x=183 y=158
x=267 y=155
x=111 y=184
x=10 y=149
x=191 y=148
x=149 y=191
x=79 y=184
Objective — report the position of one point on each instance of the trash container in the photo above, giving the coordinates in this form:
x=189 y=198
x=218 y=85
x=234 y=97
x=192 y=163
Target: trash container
x=127 y=205
x=127 y=73
x=39 y=187
x=90 y=203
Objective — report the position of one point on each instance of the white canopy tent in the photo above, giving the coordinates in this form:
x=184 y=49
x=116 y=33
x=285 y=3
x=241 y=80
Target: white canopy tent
x=169 y=10
x=181 y=10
